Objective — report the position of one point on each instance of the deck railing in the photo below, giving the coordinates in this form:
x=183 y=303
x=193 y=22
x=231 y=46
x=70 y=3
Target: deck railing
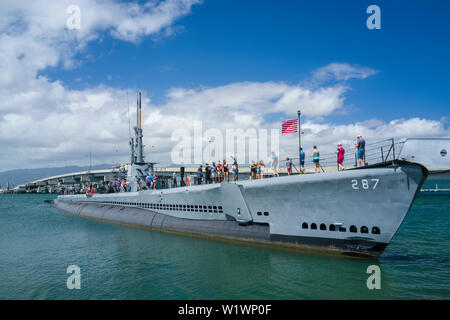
x=377 y=152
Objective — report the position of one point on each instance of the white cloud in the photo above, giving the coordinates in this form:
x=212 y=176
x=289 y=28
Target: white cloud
x=342 y=72
x=43 y=122
x=34 y=35
x=258 y=98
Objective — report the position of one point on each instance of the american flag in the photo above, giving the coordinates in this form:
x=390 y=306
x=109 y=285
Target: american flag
x=289 y=126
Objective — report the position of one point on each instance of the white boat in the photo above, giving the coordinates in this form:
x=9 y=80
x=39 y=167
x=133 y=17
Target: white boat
x=433 y=153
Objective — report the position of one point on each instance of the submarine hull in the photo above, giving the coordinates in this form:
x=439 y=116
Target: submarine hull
x=355 y=212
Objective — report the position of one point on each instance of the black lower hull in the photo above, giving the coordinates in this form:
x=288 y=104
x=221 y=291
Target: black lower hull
x=353 y=247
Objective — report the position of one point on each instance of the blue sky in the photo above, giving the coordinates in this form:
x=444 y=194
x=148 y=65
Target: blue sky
x=232 y=41
x=230 y=64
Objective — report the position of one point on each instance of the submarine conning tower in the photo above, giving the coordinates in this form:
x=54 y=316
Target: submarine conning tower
x=138 y=168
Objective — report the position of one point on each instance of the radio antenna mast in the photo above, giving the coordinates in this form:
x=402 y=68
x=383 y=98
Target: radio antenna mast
x=128 y=115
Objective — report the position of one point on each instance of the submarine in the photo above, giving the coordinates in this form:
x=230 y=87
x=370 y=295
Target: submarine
x=355 y=212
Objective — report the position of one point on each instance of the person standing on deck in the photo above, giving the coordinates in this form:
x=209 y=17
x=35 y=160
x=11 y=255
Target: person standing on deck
x=148 y=181
x=155 y=180
x=288 y=166
x=174 y=179
x=262 y=168
x=274 y=164
x=361 y=150
x=182 y=183
x=315 y=156
x=258 y=170
x=219 y=172
x=225 y=171
x=234 y=171
x=207 y=174
x=214 y=172
x=302 y=160
x=200 y=175
x=252 y=170
x=340 y=158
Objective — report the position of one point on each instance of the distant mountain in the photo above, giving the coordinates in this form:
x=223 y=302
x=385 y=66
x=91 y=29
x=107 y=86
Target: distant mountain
x=21 y=176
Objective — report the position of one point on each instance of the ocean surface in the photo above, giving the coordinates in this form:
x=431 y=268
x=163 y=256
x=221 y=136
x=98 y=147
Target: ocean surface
x=38 y=244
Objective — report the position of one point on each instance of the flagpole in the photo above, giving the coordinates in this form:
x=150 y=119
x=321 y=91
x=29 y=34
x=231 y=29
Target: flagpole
x=299 y=138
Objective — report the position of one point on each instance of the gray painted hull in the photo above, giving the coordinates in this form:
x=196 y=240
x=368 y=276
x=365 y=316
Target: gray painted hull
x=354 y=212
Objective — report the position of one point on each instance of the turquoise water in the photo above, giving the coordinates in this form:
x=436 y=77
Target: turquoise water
x=37 y=244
